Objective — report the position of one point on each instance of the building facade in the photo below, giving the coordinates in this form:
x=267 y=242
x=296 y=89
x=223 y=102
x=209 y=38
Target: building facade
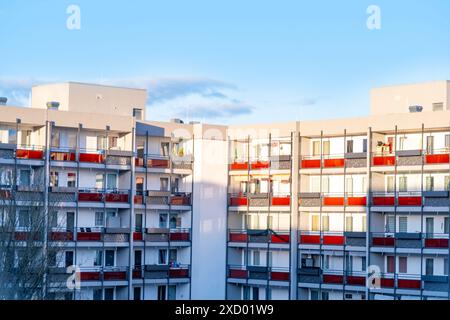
x=348 y=209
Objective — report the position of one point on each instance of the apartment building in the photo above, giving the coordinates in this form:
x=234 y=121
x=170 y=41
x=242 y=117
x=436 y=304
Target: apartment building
x=347 y=209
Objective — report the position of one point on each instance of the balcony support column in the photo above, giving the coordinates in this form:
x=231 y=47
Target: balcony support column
x=293 y=244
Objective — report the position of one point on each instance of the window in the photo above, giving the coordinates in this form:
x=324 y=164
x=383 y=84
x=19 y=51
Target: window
x=24 y=219
x=162 y=256
x=255 y=293
x=439 y=106
x=349 y=224
x=390 y=224
x=364 y=223
x=70 y=221
x=109 y=258
x=54 y=177
x=447 y=141
x=109 y=294
x=314 y=294
x=55 y=140
x=390 y=264
x=101 y=143
x=315 y=223
x=349 y=263
x=446 y=267
x=326 y=262
x=172 y=293
x=139 y=184
x=269 y=258
x=174 y=221
x=6 y=177
x=164 y=184
x=445 y=225
x=429 y=227
x=53 y=219
x=113 y=142
x=71 y=140
x=138 y=221
x=111 y=181
x=163 y=220
x=175 y=185
x=246 y=293
x=429 y=267
x=98 y=259
x=52 y=258
x=173 y=254
x=68 y=258
x=137 y=258
x=430 y=144
x=364 y=145
x=403 y=265
x=256 y=258
x=137 y=293
x=161 y=292
x=99 y=219
x=350 y=146
x=165 y=146
x=403 y=224
x=97 y=295
x=25 y=177
x=403 y=187
x=348 y=296
x=325 y=223
x=325 y=184
x=316 y=148
x=429 y=183
x=447 y=183
x=325 y=295
x=349 y=186
x=99 y=181
x=71 y=179
x=390 y=183
x=363 y=263
x=137 y=113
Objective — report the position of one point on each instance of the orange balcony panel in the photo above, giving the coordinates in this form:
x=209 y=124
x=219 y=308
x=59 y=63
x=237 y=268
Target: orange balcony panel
x=138 y=199
x=158 y=163
x=281 y=201
x=61 y=236
x=279 y=276
x=437 y=158
x=179 y=236
x=356 y=281
x=334 y=163
x=238 y=202
x=179 y=273
x=91 y=157
x=328 y=278
x=237 y=237
x=91 y=197
x=62 y=156
x=383 y=201
x=89 y=236
x=410 y=201
x=409 y=284
x=90 y=276
x=436 y=243
x=383 y=242
x=239 y=166
x=116 y=197
x=137 y=274
x=258 y=165
x=30 y=154
x=139 y=162
x=239 y=274
x=387 y=283
x=356 y=201
x=180 y=201
x=384 y=161
x=280 y=238
x=24 y=236
x=333 y=240
x=310 y=164
x=333 y=201
x=137 y=236
x=115 y=275
x=310 y=239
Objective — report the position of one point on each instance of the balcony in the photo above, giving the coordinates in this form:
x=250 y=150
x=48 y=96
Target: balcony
x=441 y=156
x=103 y=273
x=62 y=154
x=61 y=235
x=166 y=235
x=335 y=161
x=308 y=162
x=91 y=156
x=316 y=199
x=436 y=241
x=180 y=199
x=119 y=196
x=406 y=199
x=330 y=238
x=259 y=273
x=165 y=271
x=379 y=239
x=30 y=152
x=100 y=195
x=259 y=199
x=259 y=163
x=90 y=195
x=258 y=236
x=383 y=160
x=182 y=162
x=153 y=161
x=401 y=281
x=90 y=234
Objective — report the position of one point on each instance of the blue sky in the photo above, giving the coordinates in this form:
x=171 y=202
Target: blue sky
x=228 y=61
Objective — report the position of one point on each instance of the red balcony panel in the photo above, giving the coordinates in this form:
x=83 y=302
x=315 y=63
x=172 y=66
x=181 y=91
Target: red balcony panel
x=310 y=239
x=61 y=236
x=356 y=201
x=178 y=273
x=356 y=281
x=384 y=161
x=310 y=164
x=333 y=201
x=89 y=236
x=90 y=276
x=137 y=274
x=238 y=237
x=62 y=156
x=328 y=278
x=409 y=284
x=410 y=201
x=91 y=157
x=437 y=158
x=280 y=238
x=137 y=236
x=258 y=165
x=114 y=275
x=333 y=240
x=29 y=154
x=24 y=236
x=387 y=283
x=179 y=236
x=383 y=242
x=138 y=199
x=180 y=201
x=238 y=201
x=116 y=197
x=239 y=166
x=158 y=163
x=436 y=243
x=240 y=274
x=333 y=163
x=279 y=276
x=383 y=201
x=139 y=162
x=281 y=201
x=91 y=197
